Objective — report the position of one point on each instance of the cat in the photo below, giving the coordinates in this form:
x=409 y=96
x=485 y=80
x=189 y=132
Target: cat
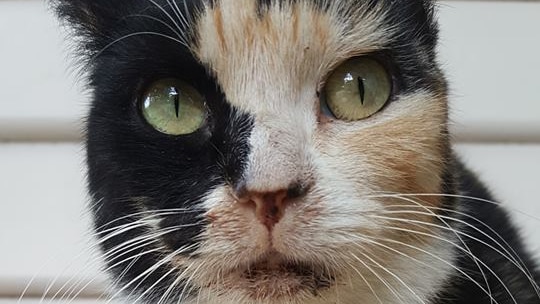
x=284 y=151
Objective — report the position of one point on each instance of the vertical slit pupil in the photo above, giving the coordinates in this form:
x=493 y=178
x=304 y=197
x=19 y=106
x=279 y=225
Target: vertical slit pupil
x=174 y=93
x=361 y=89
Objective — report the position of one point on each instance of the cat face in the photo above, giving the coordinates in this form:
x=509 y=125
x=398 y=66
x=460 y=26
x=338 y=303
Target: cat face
x=276 y=188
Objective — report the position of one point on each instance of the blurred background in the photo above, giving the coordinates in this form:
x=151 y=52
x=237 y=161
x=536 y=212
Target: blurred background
x=489 y=49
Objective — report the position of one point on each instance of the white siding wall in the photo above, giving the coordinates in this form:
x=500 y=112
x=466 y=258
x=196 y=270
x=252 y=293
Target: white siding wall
x=490 y=50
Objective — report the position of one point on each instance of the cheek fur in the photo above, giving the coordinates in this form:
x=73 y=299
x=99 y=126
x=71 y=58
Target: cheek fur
x=407 y=152
x=398 y=151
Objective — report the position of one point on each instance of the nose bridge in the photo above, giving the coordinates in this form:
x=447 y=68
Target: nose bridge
x=278 y=157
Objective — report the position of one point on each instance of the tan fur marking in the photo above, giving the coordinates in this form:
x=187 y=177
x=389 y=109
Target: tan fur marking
x=295 y=23
x=218 y=20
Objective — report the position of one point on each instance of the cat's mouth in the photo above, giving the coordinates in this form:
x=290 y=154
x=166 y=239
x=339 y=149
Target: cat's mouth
x=273 y=278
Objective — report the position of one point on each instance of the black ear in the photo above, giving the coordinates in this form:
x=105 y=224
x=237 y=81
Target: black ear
x=81 y=14
x=416 y=21
x=89 y=21
x=97 y=24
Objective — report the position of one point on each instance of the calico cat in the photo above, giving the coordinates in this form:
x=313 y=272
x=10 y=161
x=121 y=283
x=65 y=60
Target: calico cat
x=284 y=151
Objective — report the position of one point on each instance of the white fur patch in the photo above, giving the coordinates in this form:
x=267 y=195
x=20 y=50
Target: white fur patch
x=272 y=66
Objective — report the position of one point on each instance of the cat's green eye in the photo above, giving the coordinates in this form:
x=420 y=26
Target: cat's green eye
x=173 y=107
x=357 y=89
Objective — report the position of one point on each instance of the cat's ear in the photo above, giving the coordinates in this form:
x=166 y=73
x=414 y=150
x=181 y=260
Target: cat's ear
x=417 y=22
x=85 y=15
x=88 y=20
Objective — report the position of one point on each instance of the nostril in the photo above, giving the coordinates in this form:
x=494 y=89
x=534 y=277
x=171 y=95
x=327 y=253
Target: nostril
x=296 y=190
x=274 y=211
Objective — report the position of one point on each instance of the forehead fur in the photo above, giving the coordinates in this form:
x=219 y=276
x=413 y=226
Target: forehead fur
x=289 y=46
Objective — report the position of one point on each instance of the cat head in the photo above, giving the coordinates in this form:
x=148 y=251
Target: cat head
x=250 y=151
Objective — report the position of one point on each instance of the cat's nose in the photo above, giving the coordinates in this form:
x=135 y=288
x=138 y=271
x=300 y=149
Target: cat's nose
x=270 y=206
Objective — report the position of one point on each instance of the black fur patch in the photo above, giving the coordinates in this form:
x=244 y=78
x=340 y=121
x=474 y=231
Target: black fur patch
x=132 y=167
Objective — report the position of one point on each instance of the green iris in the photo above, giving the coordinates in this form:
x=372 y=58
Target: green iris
x=173 y=107
x=357 y=89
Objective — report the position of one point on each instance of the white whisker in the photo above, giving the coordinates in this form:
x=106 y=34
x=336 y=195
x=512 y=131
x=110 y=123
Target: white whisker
x=458 y=247
x=174 y=21
x=507 y=255
x=373 y=240
x=385 y=269
x=149 y=271
x=379 y=277
x=367 y=283
x=472 y=198
x=147 y=291
x=139 y=34
x=178 y=13
x=172 y=29
x=133 y=259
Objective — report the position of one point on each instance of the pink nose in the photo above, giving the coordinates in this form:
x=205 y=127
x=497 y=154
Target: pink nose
x=269 y=206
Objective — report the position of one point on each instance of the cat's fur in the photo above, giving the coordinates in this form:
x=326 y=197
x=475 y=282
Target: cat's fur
x=365 y=223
